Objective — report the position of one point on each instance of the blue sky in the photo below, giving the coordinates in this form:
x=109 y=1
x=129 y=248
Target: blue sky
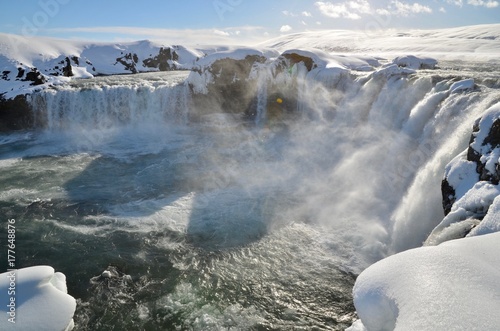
x=231 y=21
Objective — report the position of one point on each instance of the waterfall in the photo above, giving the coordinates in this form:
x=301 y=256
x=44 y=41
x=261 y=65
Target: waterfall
x=365 y=160
x=262 y=87
x=111 y=102
x=377 y=147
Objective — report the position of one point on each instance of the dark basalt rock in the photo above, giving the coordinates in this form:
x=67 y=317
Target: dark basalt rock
x=294 y=58
x=35 y=77
x=490 y=142
x=20 y=73
x=161 y=61
x=5 y=75
x=493 y=137
x=449 y=196
x=76 y=60
x=15 y=114
x=129 y=61
x=67 y=69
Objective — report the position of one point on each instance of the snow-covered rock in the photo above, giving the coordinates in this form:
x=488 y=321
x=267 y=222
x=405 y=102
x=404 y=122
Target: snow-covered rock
x=466 y=84
x=36 y=298
x=414 y=62
x=471 y=183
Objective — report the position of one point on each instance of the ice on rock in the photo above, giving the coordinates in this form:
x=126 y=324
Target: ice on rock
x=40 y=300
x=452 y=286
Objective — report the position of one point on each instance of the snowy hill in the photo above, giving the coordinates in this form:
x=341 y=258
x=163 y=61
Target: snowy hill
x=28 y=64
x=472 y=43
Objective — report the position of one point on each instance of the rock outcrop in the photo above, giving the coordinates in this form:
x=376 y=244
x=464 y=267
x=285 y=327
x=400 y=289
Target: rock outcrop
x=470 y=187
x=165 y=60
x=250 y=84
x=224 y=85
x=15 y=114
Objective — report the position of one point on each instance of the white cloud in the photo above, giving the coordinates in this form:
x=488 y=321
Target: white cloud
x=288 y=13
x=306 y=14
x=232 y=35
x=286 y=28
x=398 y=8
x=221 y=33
x=405 y=9
x=487 y=4
x=348 y=9
x=383 y=12
x=361 y=6
x=303 y=23
x=458 y=3
x=442 y=10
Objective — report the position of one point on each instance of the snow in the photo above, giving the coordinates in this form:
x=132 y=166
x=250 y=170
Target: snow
x=48 y=56
x=469 y=43
x=465 y=212
x=490 y=156
x=236 y=53
x=40 y=297
x=394 y=69
x=462 y=85
x=461 y=174
x=453 y=286
x=491 y=222
x=414 y=62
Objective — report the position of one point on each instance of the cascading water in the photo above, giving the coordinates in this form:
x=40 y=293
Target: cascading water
x=262 y=79
x=104 y=102
x=225 y=225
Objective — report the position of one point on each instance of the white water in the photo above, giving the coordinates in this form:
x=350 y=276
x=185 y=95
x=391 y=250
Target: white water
x=224 y=224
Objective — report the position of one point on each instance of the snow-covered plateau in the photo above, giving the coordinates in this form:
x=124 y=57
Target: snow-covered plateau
x=376 y=154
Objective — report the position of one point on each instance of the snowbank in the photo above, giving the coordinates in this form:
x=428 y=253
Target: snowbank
x=453 y=286
x=36 y=299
